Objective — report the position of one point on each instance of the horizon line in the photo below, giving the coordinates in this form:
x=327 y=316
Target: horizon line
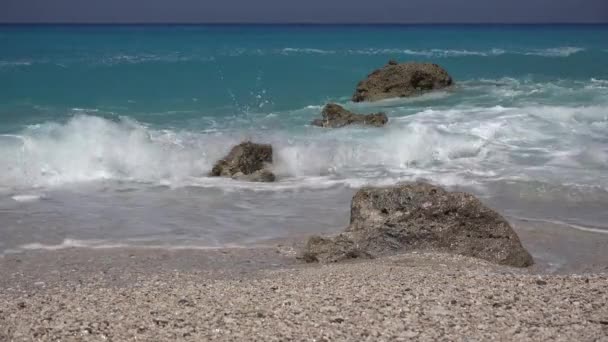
x=304 y=23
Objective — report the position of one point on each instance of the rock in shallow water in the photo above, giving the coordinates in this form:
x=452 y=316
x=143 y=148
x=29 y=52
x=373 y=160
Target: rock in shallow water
x=420 y=216
x=258 y=176
x=246 y=161
x=335 y=116
x=401 y=80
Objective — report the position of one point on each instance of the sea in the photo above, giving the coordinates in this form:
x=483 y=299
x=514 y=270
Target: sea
x=108 y=132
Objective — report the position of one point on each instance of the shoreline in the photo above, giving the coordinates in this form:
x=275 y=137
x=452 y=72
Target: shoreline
x=264 y=293
x=559 y=249
x=556 y=248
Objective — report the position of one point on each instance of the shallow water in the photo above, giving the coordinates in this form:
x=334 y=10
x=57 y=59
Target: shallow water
x=107 y=133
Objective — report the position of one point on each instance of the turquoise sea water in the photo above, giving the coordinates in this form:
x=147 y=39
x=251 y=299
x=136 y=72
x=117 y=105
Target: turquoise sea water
x=107 y=132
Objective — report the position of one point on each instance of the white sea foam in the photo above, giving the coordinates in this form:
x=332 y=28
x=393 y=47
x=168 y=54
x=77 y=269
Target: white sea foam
x=564 y=51
x=27 y=197
x=105 y=244
x=600 y=81
x=398 y=102
x=85 y=110
x=18 y=63
x=179 y=57
x=552 y=156
x=72 y=243
x=530 y=91
x=307 y=51
x=385 y=51
x=456 y=144
x=562 y=223
x=89 y=148
x=110 y=59
x=139 y=58
x=597 y=84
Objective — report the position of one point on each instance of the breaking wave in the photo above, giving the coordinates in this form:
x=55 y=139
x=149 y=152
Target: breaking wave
x=565 y=51
x=452 y=145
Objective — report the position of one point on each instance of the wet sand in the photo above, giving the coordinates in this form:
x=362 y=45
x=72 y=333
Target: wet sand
x=560 y=249
x=264 y=293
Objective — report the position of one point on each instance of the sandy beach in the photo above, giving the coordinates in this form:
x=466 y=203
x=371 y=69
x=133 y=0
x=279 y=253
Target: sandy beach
x=265 y=294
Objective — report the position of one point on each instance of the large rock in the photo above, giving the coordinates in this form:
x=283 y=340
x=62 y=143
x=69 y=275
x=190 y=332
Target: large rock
x=246 y=161
x=335 y=116
x=401 y=80
x=420 y=216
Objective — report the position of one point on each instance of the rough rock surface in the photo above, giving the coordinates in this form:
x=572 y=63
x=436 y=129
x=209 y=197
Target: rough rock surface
x=401 y=80
x=335 y=116
x=246 y=161
x=420 y=216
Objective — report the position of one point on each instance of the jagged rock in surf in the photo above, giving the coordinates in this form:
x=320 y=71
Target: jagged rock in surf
x=420 y=216
x=335 y=116
x=401 y=80
x=246 y=161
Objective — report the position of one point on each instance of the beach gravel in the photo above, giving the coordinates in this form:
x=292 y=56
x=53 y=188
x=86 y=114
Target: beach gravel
x=426 y=297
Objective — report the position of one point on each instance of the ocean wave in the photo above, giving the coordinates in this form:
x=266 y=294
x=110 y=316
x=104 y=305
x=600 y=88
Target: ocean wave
x=89 y=148
x=307 y=51
x=564 y=51
x=152 y=58
x=109 y=60
x=530 y=91
x=597 y=84
x=377 y=51
x=440 y=53
x=392 y=51
x=13 y=64
x=458 y=144
x=180 y=57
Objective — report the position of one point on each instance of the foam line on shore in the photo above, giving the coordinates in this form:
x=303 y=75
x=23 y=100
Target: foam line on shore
x=103 y=244
x=560 y=223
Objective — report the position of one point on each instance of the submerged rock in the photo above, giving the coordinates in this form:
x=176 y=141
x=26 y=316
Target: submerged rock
x=341 y=247
x=335 y=116
x=246 y=161
x=420 y=216
x=401 y=80
x=258 y=176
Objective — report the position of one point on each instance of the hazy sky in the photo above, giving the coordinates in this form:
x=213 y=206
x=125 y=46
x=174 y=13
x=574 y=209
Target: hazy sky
x=304 y=11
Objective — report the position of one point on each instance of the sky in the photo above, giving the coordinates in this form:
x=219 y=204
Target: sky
x=309 y=11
